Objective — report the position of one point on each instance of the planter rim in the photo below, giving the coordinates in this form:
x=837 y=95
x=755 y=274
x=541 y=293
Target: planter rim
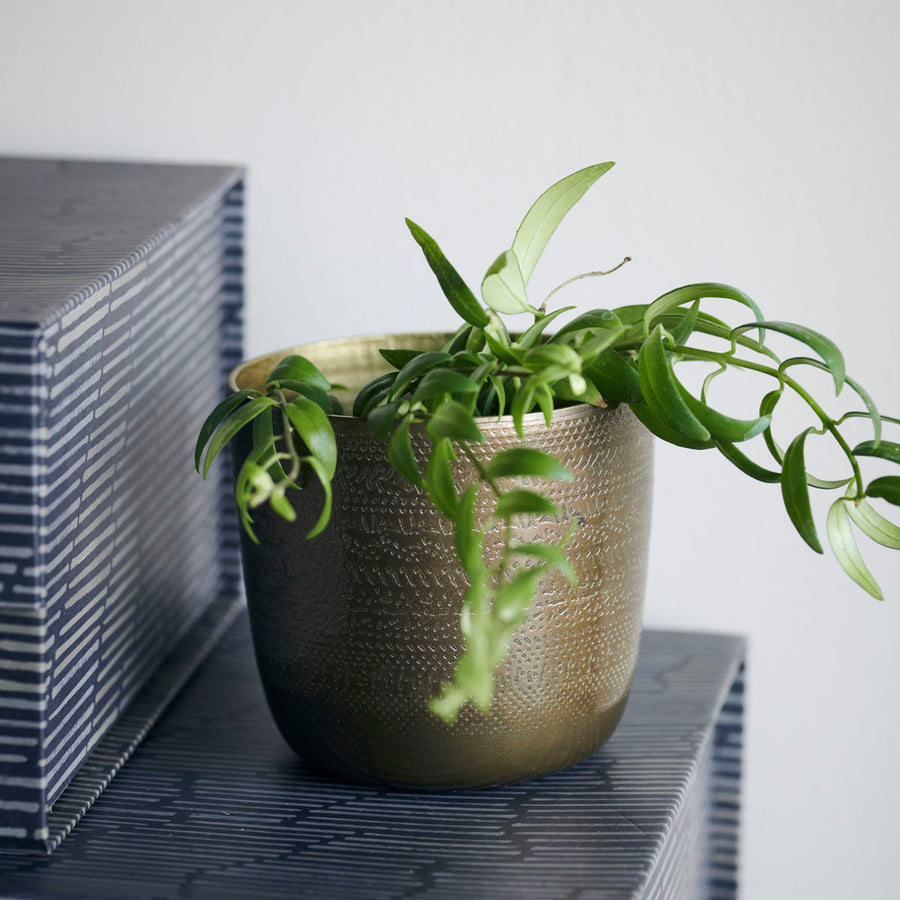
x=561 y=412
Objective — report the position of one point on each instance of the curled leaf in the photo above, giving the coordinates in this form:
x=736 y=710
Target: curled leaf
x=315 y=431
x=873 y=524
x=231 y=425
x=452 y=420
x=401 y=456
x=840 y=536
x=324 y=476
x=438 y=478
x=795 y=491
x=661 y=390
x=690 y=293
x=417 y=367
x=503 y=288
x=372 y=393
x=215 y=418
x=720 y=426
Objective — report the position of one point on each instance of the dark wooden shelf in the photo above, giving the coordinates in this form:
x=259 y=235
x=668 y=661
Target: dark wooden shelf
x=214 y=804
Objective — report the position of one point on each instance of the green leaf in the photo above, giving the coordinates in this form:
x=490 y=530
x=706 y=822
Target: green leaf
x=515 y=596
x=465 y=359
x=747 y=465
x=498 y=344
x=281 y=505
x=547 y=212
x=522 y=402
x=299 y=368
x=661 y=390
x=399 y=358
x=370 y=394
x=553 y=355
x=503 y=288
x=552 y=554
x=683 y=330
x=840 y=536
x=232 y=425
x=766 y=408
x=887 y=488
x=592 y=320
x=264 y=435
x=795 y=491
x=872 y=523
x=467 y=538
x=883 y=450
x=455 y=289
x=522 y=501
x=453 y=420
x=544 y=398
x=314 y=429
x=530 y=337
x=597 y=344
x=324 y=476
x=525 y=461
x=381 y=419
x=417 y=367
x=253 y=481
x=443 y=381
x=215 y=418
x=439 y=478
x=401 y=456
x=615 y=378
x=305 y=389
x=474 y=340
x=497 y=384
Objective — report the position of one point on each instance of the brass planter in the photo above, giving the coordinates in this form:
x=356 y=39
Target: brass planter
x=356 y=629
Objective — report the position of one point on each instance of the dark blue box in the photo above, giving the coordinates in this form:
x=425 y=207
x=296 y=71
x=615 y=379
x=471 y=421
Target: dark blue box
x=120 y=313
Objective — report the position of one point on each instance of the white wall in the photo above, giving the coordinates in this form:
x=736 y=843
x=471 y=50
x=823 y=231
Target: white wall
x=757 y=144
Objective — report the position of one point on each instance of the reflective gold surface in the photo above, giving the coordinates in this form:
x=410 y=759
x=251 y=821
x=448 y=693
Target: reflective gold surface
x=356 y=629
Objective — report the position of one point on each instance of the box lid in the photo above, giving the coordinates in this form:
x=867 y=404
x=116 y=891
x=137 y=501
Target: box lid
x=69 y=227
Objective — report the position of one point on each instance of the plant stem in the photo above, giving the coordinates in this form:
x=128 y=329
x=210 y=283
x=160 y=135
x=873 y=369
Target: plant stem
x=783 y=378
x=569 y=281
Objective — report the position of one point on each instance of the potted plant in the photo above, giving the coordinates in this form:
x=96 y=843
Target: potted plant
x=469 y=611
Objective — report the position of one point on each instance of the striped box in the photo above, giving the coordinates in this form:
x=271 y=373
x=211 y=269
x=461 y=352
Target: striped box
x=120 y=313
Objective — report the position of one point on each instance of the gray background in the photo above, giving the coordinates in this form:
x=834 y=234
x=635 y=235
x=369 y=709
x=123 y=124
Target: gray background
x=757 y=145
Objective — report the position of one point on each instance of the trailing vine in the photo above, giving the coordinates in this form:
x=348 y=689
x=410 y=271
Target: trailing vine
x=626 y=355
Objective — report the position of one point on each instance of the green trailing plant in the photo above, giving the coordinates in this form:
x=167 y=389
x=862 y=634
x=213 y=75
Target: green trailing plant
x=626 y=355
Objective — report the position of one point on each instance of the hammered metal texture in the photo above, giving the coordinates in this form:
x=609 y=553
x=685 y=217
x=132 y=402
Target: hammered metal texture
x=355 y=630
